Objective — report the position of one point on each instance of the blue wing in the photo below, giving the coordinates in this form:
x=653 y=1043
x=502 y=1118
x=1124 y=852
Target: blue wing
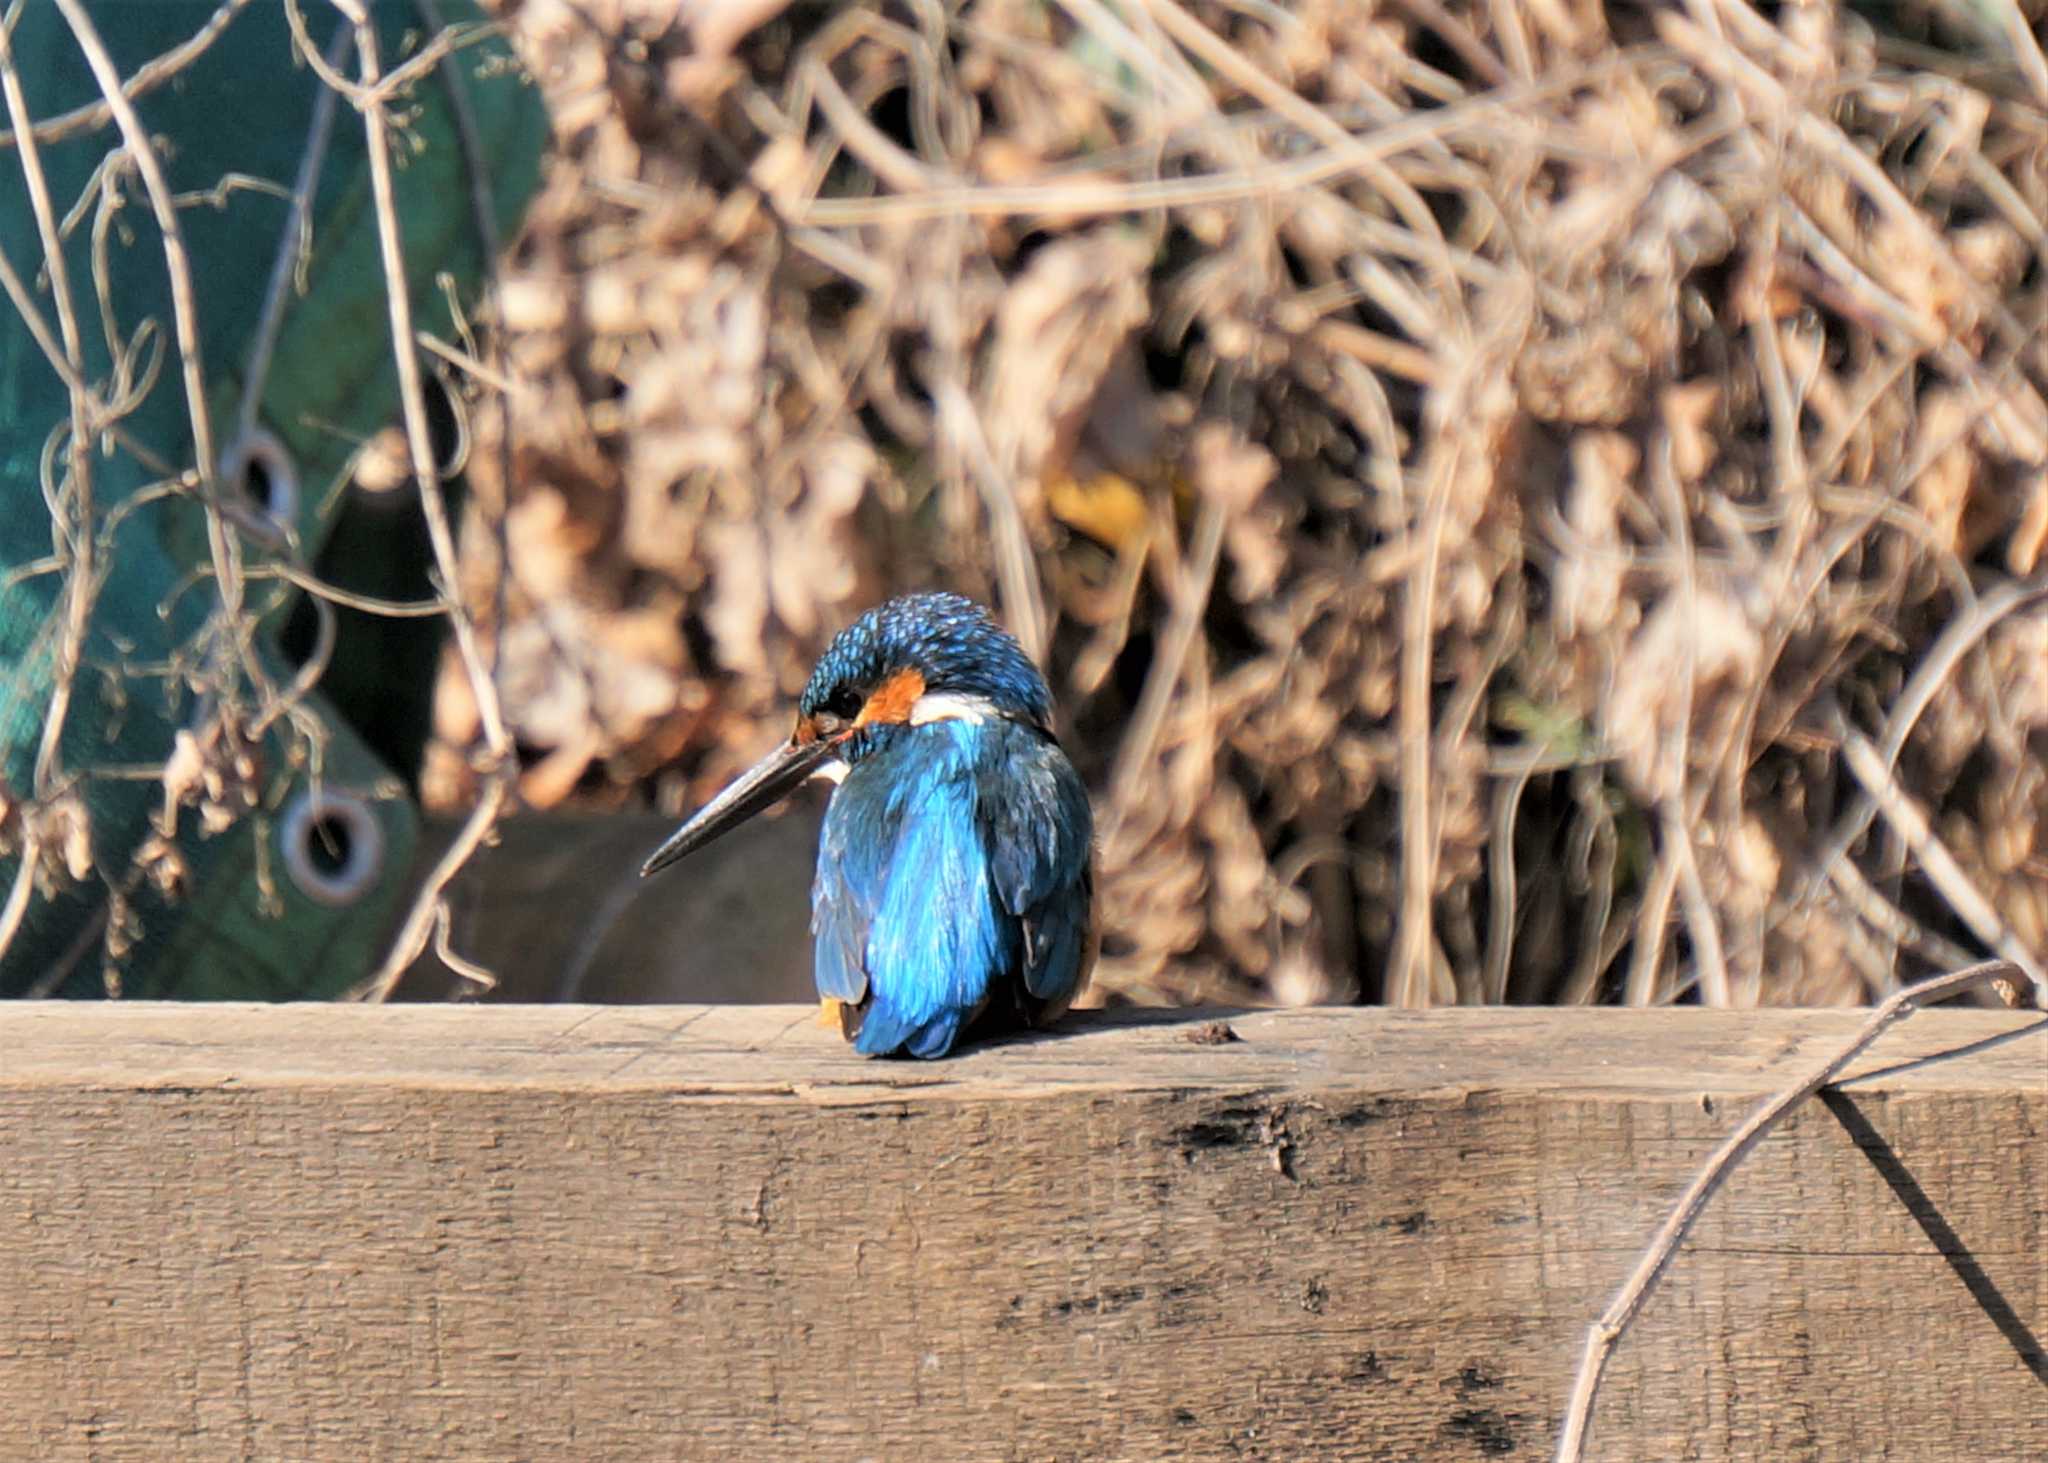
x=905 y=908
x=853 y=860
x=1040 y=838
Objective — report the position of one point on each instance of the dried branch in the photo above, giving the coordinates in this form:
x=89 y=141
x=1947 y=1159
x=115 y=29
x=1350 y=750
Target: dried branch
x=413 y=933
x=1606 y=1333
x=73 y=534
x=226 y=555
x=146 y=80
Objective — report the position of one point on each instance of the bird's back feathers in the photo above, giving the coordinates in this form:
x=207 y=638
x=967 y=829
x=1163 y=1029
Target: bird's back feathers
x=953 y=877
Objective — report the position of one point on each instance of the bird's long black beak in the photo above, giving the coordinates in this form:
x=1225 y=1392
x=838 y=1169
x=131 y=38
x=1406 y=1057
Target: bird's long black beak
x=761 y=786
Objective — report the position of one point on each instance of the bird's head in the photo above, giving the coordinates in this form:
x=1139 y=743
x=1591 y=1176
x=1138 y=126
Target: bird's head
x=917 y=659
x=920 y=658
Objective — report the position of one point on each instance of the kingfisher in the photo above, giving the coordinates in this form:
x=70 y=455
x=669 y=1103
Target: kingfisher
x=954 y=893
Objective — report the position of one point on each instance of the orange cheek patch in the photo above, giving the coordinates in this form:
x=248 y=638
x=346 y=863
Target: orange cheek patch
x=893 y=699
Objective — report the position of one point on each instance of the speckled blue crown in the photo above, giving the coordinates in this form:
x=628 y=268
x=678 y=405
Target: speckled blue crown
x=948 y=639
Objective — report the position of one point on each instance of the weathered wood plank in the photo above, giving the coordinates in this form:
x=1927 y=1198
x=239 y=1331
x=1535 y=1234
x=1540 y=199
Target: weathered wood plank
x=711 y=1232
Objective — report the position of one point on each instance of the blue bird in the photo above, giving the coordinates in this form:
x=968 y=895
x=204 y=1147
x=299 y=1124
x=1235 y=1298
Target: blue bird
x=954 y=890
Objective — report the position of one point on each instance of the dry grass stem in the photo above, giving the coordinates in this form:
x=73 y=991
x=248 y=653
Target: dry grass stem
x=1940 y=866
x=294 y=242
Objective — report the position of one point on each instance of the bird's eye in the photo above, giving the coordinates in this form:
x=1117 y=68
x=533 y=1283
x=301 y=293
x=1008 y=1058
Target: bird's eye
x=844 y=703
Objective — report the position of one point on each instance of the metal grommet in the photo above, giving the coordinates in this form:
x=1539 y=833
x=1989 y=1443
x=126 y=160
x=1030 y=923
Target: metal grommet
x=332 y=844
x=262 y=467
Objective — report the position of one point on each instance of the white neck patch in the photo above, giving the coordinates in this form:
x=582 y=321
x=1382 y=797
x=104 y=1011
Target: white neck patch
x=831 y=770
x=950 y=706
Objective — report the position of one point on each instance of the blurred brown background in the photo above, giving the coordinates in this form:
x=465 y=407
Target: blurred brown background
x=1464 y=466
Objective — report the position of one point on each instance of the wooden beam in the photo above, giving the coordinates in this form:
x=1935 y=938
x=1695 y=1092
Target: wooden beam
x=711 y=1232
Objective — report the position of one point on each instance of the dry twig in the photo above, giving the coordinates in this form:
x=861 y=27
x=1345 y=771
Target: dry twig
x=429 y=906
x=1606 y=1333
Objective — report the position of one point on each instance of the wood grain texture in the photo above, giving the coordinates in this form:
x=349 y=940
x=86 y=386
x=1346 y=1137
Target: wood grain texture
x=710 y=1232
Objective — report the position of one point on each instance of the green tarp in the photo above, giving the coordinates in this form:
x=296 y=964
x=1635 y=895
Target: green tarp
x=293 y=899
